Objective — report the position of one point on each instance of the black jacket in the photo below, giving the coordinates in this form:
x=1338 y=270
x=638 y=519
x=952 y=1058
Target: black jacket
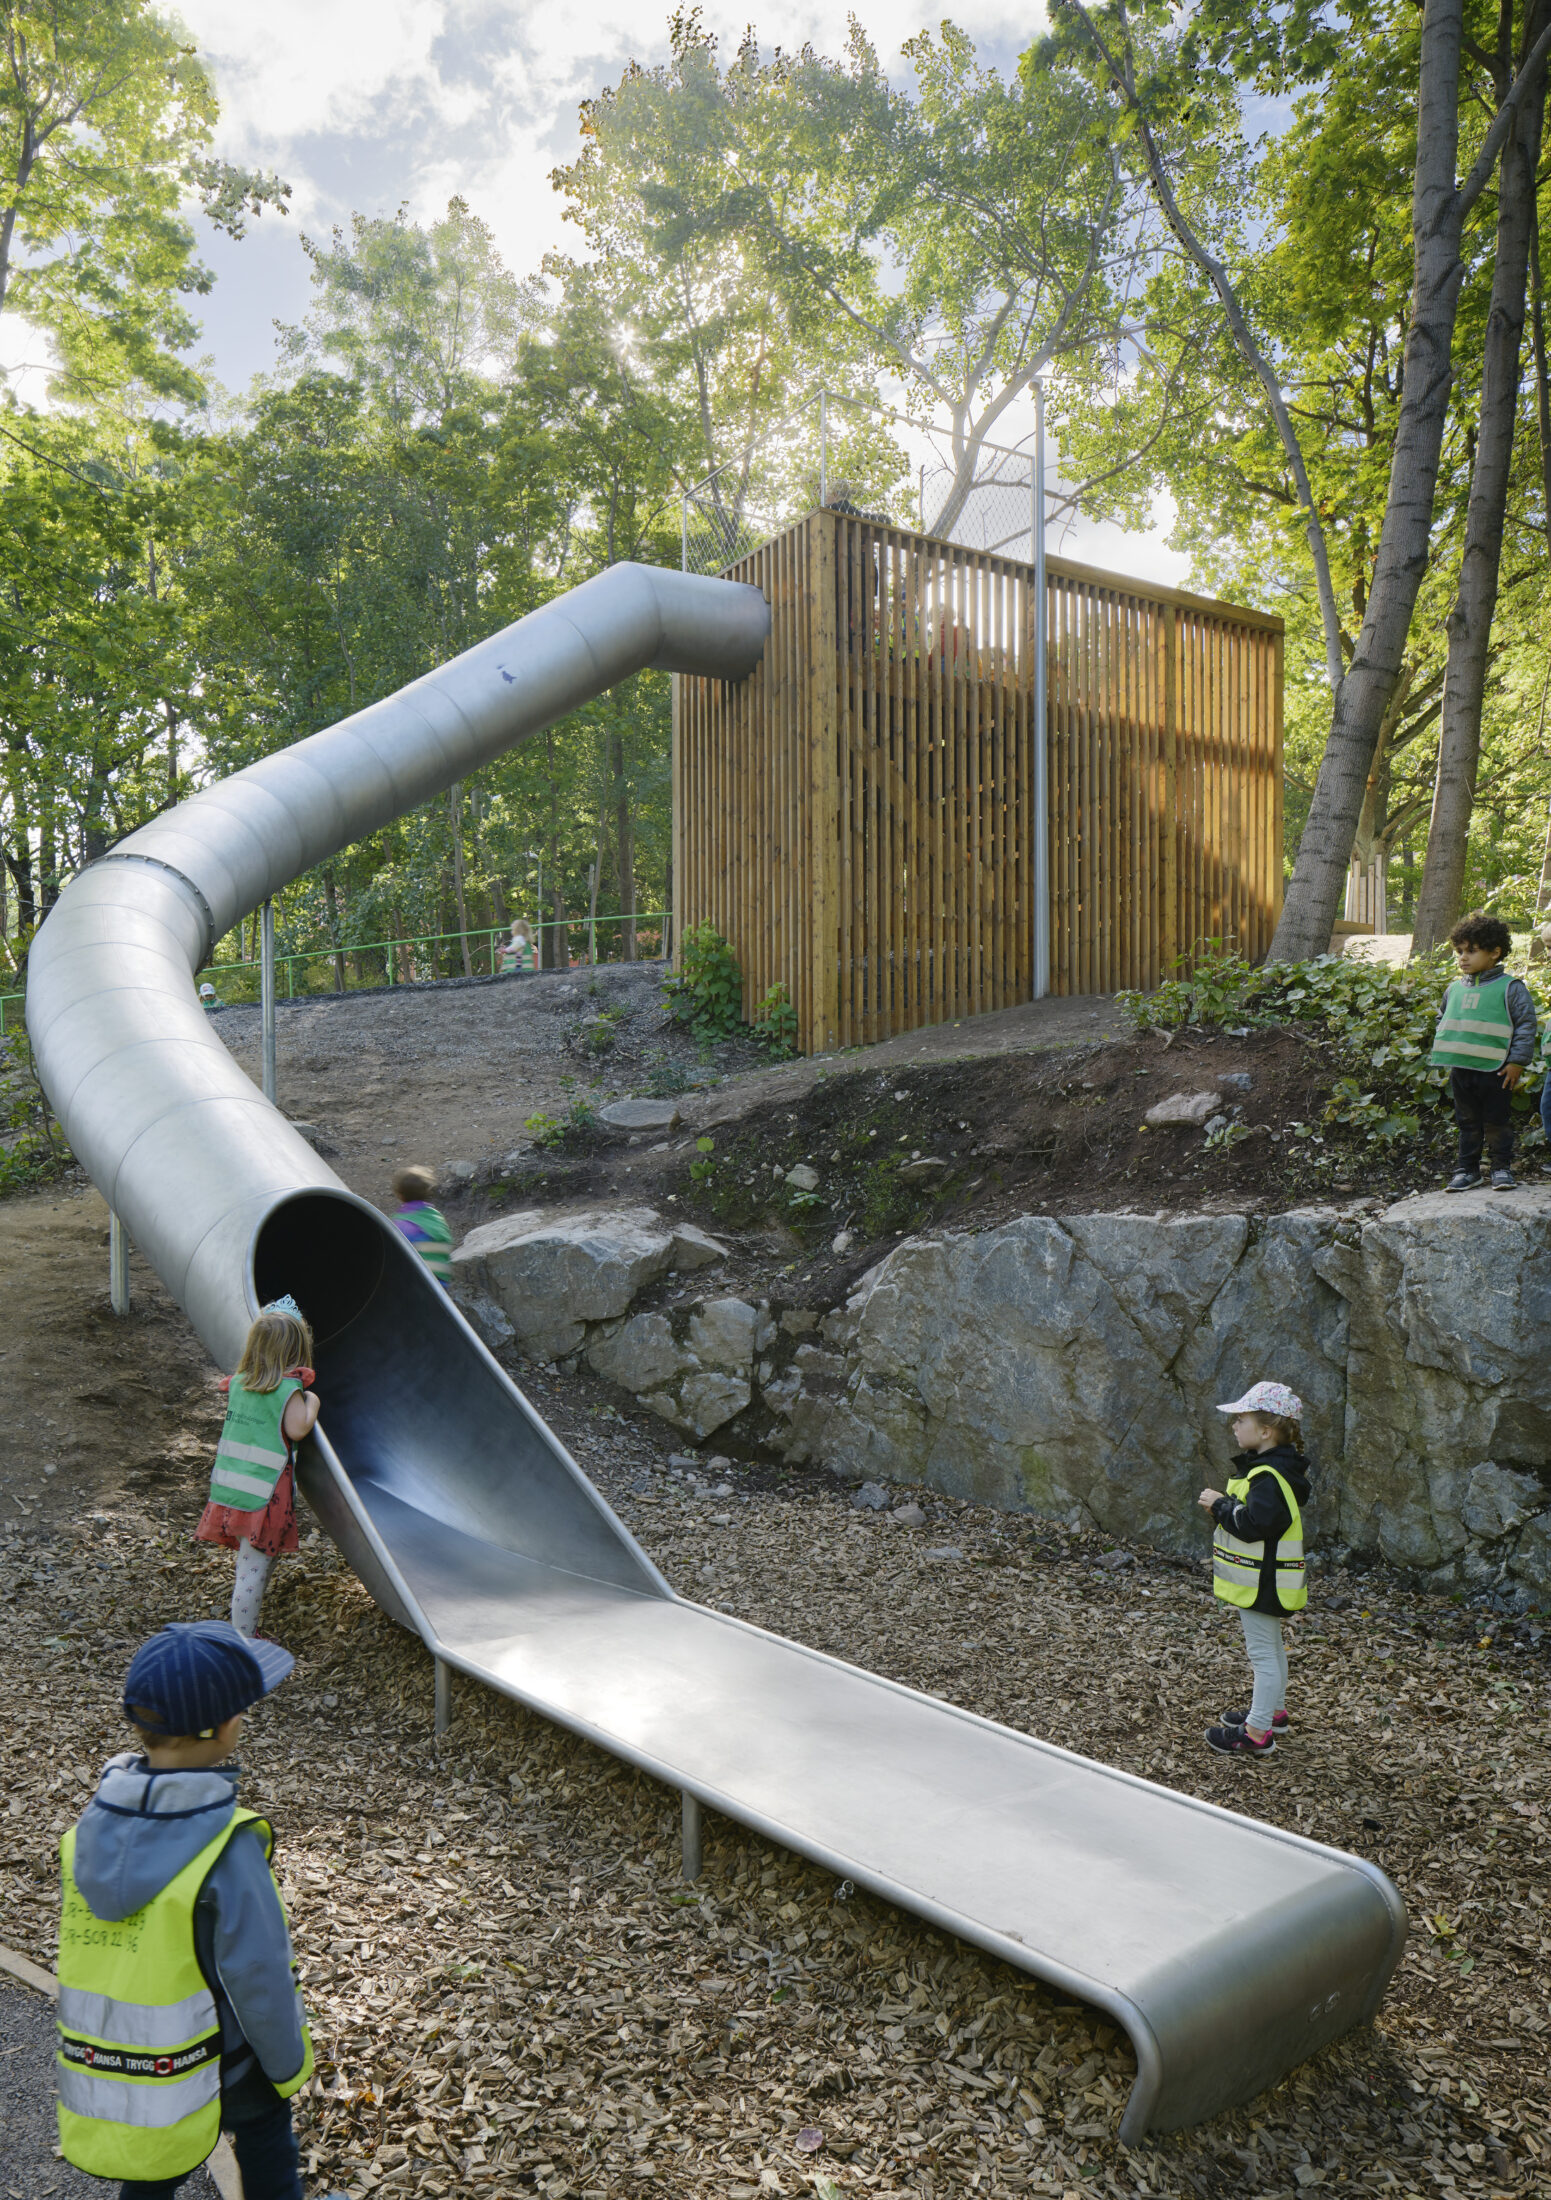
x=1263 y=1516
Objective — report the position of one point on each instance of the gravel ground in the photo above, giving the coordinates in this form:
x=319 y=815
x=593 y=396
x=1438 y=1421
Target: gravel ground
x=513 y=1991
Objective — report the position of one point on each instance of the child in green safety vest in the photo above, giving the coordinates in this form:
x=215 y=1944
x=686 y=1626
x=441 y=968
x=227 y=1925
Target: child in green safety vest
x=178 y=2006
x=269 y=1410
x=1486 y=1040
x=1257 y=1555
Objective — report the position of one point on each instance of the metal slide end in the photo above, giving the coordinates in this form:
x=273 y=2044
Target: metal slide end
x=443 y=1696
x=694 y=1828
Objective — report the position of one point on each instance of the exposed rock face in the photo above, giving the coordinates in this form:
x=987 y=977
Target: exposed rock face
x=1074 y=1366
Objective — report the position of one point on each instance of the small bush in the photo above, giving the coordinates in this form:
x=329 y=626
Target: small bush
x=707 y=992
x=775 y=1022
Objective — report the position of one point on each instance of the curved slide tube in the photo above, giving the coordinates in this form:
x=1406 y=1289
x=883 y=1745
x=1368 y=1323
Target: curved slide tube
x=1228 y=1950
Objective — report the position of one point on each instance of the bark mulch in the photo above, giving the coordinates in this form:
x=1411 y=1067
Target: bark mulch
x=513 y=1992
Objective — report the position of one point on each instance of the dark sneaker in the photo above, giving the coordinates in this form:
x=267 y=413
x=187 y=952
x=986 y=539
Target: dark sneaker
x=1280 y=1723
x=1226 y=1739
x=1464 y=1180
x=1504 y=1180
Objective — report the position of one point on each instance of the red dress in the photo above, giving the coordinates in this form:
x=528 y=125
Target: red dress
x=273 y=1528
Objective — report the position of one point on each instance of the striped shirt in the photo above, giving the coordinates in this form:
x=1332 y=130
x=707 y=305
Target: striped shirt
x=427 y=1231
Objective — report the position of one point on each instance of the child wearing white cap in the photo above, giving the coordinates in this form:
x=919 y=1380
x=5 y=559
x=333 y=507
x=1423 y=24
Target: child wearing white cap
x=1257 y=1554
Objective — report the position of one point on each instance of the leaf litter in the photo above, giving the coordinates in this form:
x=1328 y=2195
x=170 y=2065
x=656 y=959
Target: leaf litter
x=513 y=1992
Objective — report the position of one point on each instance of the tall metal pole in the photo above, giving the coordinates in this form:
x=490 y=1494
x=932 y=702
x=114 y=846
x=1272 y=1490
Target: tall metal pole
x=1041 y=864
x=267 y=994
x=823 y=446
x=118 y=1264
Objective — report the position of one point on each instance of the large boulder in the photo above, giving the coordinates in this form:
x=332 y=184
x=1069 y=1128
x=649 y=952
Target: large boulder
x=553 y=1274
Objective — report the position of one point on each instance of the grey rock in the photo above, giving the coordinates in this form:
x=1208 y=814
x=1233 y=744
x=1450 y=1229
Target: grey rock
x=708 y=1400
x=1182 y=1107
x=797 y=1321
x=781 y=1392
x=553 y=1274
x=1497 y=1500
x=802 y=1178
x=485 y=1318
x=871 y=1497
x=693 y=1249
x=309 y=1131
x=842 y=1241
x=640 y=1115
x=1234 y=1080
x=917 y=1172
x=944 y=1553
x=909 y=1515
x=457 y=1172
x=1114 y=1561
x=640 y=1354
x=722 y=1333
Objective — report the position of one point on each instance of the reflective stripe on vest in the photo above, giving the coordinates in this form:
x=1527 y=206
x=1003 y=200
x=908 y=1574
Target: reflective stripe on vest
x=1475 y=1030
x=1236 y=1565
x=252 y=1453
x=139 y=2061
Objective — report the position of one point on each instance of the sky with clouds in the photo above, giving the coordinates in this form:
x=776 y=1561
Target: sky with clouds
x=366 y=105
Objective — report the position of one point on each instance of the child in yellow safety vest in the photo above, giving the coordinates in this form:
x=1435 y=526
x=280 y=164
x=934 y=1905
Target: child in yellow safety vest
x=1485 y=1039
x=269 y=1410
x=1257 y=1554
x=178 y=2006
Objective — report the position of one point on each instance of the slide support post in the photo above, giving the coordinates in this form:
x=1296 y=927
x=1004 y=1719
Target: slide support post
x=443 y=1696
x=118 y=1264
x=694 y=1829
x=267 y=995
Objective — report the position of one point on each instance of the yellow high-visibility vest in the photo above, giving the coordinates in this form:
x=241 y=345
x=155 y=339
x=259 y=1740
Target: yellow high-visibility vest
x=1236 y=1565
x=139 y=2062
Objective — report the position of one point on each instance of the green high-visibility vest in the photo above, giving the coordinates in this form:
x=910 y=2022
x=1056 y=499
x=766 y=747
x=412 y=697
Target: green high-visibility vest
x=1236 y=1565
x=253 y=1452
x=1475 y=1030
x=139 y=2062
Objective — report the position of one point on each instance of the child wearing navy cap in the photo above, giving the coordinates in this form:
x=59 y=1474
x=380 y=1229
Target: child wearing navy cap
x=178 y=2005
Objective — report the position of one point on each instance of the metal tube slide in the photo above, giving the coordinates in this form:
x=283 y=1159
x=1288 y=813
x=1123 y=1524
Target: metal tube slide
x=1228 y=1950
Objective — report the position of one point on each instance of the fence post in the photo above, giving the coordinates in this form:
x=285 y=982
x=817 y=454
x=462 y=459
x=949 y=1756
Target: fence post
x=267 y=995
x=1041 y=865
x=118 y=1264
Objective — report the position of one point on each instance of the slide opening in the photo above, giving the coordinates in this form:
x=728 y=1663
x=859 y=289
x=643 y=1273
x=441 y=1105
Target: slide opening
x=328 y=1253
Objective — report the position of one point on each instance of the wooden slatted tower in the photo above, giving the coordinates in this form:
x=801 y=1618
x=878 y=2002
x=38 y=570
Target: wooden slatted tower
x=856 y=818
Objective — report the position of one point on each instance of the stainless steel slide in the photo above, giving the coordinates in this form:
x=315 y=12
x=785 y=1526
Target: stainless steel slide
x=1228 y=1950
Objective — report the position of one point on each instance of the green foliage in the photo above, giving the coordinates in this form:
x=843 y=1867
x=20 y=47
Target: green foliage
x=575 y=1128
x=31 y=1148
x=774 y=1022
x=1381 y=1018
x=707 y=992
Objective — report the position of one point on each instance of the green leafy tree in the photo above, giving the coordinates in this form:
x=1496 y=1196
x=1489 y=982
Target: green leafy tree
x=105 y=117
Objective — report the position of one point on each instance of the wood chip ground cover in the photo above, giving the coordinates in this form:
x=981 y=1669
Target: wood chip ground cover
x=513 y=1991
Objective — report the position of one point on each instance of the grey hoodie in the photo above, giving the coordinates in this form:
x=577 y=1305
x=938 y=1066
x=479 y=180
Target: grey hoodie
x=138 y=1832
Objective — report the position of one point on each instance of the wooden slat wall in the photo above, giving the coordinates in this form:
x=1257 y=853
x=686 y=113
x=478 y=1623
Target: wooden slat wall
x=855 y=816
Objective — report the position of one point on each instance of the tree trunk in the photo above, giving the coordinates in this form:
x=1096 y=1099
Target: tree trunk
x=1540 y=945
x=624 y=847
x=1438 y=208
x=1475 y=603
x=455 y=812
x=1542 y=374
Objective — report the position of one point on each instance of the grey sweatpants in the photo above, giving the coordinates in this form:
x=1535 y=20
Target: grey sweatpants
x=1268 y=1656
